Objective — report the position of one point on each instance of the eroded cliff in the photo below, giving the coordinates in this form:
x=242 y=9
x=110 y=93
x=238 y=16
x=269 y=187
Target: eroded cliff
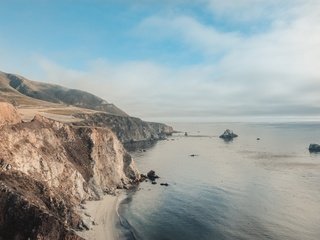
x=48 y=168
x=128 y=129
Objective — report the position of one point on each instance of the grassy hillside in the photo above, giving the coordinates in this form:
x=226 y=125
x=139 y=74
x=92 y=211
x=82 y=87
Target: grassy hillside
x=21 y=91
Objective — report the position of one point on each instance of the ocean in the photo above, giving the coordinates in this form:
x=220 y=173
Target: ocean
x=242 y=189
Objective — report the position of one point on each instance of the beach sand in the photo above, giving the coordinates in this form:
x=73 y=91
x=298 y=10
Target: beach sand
x=104 y=213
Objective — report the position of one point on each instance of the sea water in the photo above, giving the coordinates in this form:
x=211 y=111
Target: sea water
x=242 y=189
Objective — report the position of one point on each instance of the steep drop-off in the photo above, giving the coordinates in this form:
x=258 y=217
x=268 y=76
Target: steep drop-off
x=48 y=168
x=128 y=129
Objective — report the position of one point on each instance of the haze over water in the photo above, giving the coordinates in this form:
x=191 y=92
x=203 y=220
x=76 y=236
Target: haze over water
x=243 y=189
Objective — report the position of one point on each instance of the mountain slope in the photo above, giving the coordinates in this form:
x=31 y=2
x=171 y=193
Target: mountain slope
x=20 y=90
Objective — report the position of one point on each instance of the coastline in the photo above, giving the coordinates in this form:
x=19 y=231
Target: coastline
x=104 y=214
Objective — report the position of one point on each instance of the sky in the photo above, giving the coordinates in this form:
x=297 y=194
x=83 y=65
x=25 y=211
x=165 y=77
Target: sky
x=172 y=59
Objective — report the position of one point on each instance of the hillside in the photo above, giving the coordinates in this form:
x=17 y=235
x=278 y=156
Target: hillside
x=21 y=91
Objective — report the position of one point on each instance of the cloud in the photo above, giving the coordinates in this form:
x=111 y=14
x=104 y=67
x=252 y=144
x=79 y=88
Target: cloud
x=255 y=11
x=199 y=36
x=280 y=63
x=274 y=72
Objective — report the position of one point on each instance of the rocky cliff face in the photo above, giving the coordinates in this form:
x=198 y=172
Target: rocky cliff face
x=8 y=114
x=47 y=168
x=128 y=129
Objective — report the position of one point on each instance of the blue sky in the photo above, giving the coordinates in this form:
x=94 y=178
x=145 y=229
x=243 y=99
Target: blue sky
x=202 y=59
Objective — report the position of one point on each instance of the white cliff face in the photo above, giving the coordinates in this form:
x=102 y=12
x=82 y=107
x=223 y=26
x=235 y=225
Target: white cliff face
x=77 y=161
x=112 y=165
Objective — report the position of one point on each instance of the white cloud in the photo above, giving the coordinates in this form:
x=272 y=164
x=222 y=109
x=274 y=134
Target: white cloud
x=255 y=10
x=196 y=35
x=274 y=72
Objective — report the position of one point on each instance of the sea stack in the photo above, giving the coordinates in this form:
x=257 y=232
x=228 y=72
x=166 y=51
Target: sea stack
x=228 y=135
x=314 y=147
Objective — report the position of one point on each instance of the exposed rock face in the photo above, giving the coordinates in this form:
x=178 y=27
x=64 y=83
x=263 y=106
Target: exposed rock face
x=53 y=167
x=314 y=148
x=128 y=129
x=28 y=209
x=8 y=114
x=228 y=135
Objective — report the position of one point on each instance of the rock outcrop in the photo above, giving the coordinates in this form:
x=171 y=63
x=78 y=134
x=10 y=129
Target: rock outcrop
x=314 y=148
x=30 y=210
x=228 y=135
x=47 y=168
x=8 y=114
x=128 y=129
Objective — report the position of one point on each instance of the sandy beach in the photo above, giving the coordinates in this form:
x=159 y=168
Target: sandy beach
x=104 y=214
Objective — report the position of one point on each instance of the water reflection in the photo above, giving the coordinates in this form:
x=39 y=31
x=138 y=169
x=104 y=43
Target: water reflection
x=140 y=146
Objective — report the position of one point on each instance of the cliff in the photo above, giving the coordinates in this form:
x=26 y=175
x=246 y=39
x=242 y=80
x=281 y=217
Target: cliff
x=8 y=114
x=60 y=103
x=48 y=168
x=127 y=129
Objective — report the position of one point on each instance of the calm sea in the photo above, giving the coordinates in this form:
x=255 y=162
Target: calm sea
x=243 y=189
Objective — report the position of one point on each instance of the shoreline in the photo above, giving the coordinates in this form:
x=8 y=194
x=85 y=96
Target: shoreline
x=104 y=213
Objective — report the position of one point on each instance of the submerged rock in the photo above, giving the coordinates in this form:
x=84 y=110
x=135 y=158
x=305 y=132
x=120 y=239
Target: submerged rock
x=314 y=147
x=228 y=135
x=164 y=184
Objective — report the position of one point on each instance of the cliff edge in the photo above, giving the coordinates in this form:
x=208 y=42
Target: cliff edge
x=127 y=129
x=48 y=168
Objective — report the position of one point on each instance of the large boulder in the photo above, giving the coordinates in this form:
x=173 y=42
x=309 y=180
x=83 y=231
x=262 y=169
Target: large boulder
x=314 y=147
x=228 y=135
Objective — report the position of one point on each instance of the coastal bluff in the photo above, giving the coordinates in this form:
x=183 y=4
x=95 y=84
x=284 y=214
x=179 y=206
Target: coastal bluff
x=127 y=129
x=47 y=168
x=60 y=147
